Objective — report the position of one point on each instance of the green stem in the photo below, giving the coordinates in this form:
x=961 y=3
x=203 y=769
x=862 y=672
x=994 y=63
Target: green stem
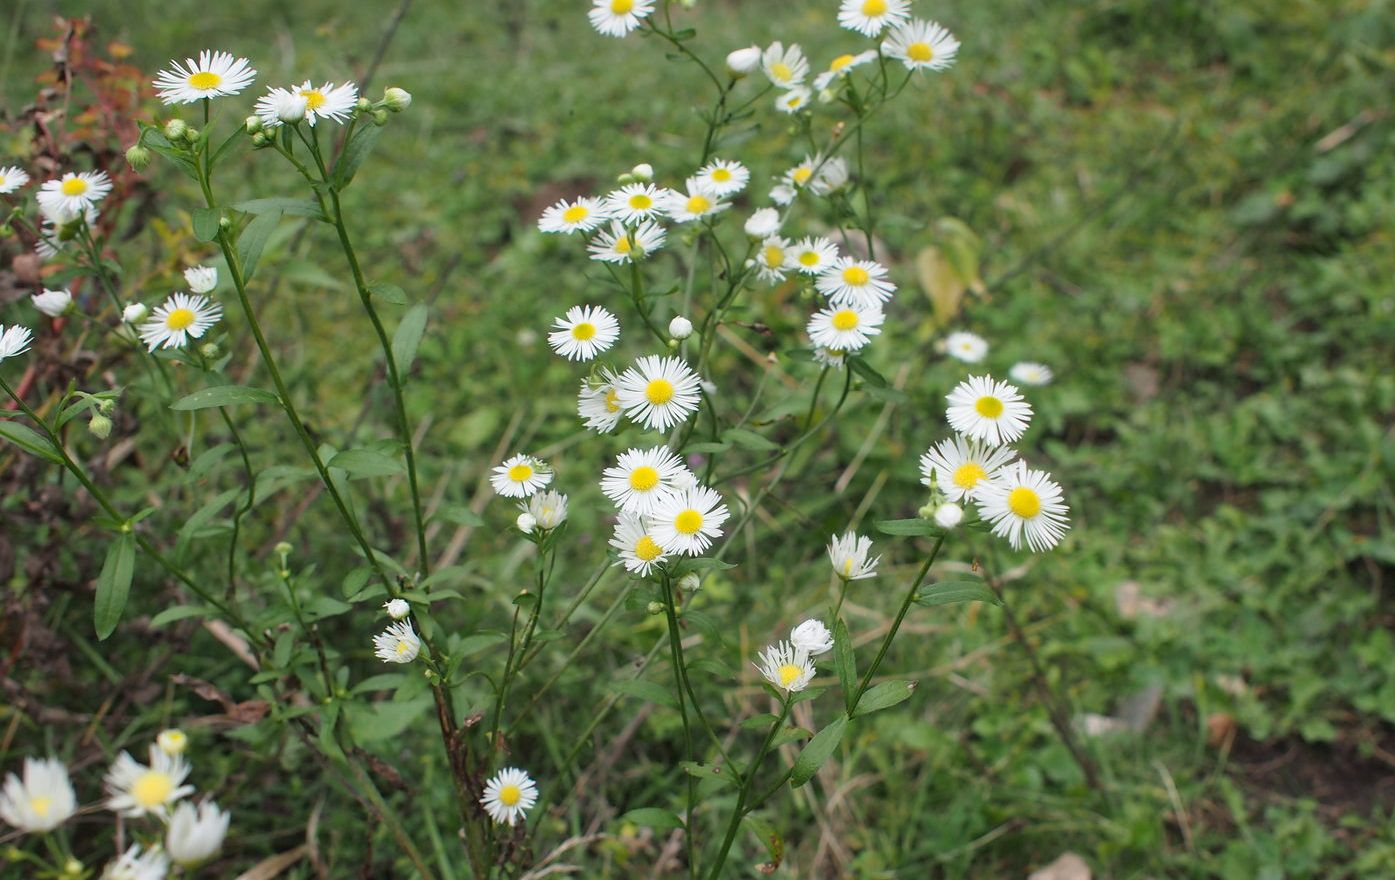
x=740 y=812
x=895 y=626
x=676 y=658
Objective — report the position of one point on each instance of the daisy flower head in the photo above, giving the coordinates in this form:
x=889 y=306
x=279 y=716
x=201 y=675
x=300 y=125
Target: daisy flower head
x=548 y=509
x=848 y=556
x=201 y=279
x=853 y=282
x=213 y=75
x=685 y=523
x=870 y=17
x=598 y=402
x=841 y=66
x=723 y=178
x=52 y=302
x=14 y=340
x=988 y=410
x=581 y=214
x=622 y=245
x=12 y=178
x=802 y=175
x=520 y=476
x=641 y=478
x=42 y=800
x=134 y=789
x=172 y=741
x=786 y=68
x=967 y=347
x=135 y=864
x=921 y=45
x=178 y=319
x=695 y=203
x=1025 y=504
x=509 y=795
x=637 y=201
x=833 y=358
x=786 y=667
x=813 y=256
x=1030 y=373
x=961 y=467
x=397 y=644
x=585 y=332
x=812 y=637
x=69 y=196
x=773 y=259
x=616 y=18
x=335 y=103
x=763 y=223
x=659 y=392
x=196 y=833
x=783 y=194
x=793 y=100
x=638 y=550
x=845 y=327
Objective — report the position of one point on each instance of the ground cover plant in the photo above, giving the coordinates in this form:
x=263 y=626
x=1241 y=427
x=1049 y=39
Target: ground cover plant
x=473 y=476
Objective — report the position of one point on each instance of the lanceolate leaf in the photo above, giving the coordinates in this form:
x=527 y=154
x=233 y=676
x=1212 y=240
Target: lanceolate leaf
x=819 y=749
x=952 y=592
x=30 y=441
x=114 y=584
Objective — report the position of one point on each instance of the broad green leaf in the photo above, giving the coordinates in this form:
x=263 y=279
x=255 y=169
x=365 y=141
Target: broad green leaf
x=367 y=463
x=647 y=691
x=819 y=749
x=114 y=584
x=30 y=441
x=380 y=721
x=706 y=771
x=907 y=527
x=407 y=337
x=206 y=223
x=223 y=395
x=952 y=592
x=253 y=241
x=653 y=817
x=883 y=696
x=389 y=293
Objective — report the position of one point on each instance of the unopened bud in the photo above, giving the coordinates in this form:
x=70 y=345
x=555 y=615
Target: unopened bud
x=526 y=522
x=175 y=129
x=379 y=116
x=100 y=426
x=209 y=350
x=655 y=608
x=398 y=609
x=927 y=512
x=690 y=582
x=137 y=157
x=282 y=548
x=743 y=61
x=397 y=99
x=260 y=140
x=643 y=171
x=73 y=868
x=173 y=741
x=363 y=105
x=680 y=327
x=191 y=134
x=252 y=124
x=625 y=178
x=106 y=406
x=134 y=313
x=948 y=515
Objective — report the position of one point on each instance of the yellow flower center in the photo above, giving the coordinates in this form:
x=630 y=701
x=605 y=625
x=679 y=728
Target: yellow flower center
x=622 y=245
x=781 y=72
x=510 y=795
x=699 y=204
x=967 y=475
x=74 y=186
x=583 y=331
x=520 y=472
x=989 y=407
x=844 y=319
x=1024 y=502
x=314 y=99
x=774 y=256
x=872 y=8
x=403 y=646
x=848 y=566
x=641 y=202
x=721 y=175
x=794 y=99
x=575 y=214
x=920 y=52
x=688 y=522
x=41 y=805
x=809 y=258
x=644 y=478
x=659 y=391
x=789 y=674
x=2 y=180
x=205 y=80
x=802 y=174
x=612 y=401
x=152 y=789
x=840 y=62
x=856 y=276
x=180 y=319
x=647 y=549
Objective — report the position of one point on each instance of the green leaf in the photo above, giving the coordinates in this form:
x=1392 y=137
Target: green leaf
x=789 y=735
x=770 y=838
x=884 y=696
x=706 y=771
x=952 y=592
x=408 y=337
x=915 y=526
x=478 y=642
x=845 y=661
x=253 y=241
x=321 y=607
x=239 y=136
x=380 y=721
x=223 y=395
x=748 y=440
x=180 y=612
x=763 y=721
x=114 y=584
x=706 y=448
x=30 y=441
x=653 y=817
x=819 y=749
x=367 y=463
x=357 y=150
x=206 y=223
x=704 y=563
x=863 y=369
x=389 y=293
x=459 y=514
x=645 y=690
x=281 y=205
x=201 y=518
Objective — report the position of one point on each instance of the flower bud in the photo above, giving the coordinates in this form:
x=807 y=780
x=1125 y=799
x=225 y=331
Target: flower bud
x=397 y=99
x=100 y=426
x=690 y=582
x=173 y=741
x=625 y=178
x=106 y=406
x=260 y=140
x=73 y=868
x=137 y=157
x=928 y=511
x=252 y=124
x=175 y=129
x=680 y=327
x=397 y=609
x=191 y=134
x=363 y=105
x=209 y=350
x=948 y=515
x=643 y=172
x=763 y=223
x=654 y=608
x=526 y=522
x=134 y=313
x=52 y=302
x=282 y=548
x=742 y=62
x=379 y=116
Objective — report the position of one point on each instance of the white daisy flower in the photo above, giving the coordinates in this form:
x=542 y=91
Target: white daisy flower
x=1025 y=503
x=329 y=101
x=548 y=509
x=598 y=402
x=723 y=178
x=773 y=259
x=14 y=341
x=793 y=100
x=961 y=467
x=694 y=204
x=784 y=67
x=214 y=75
x=398 y=609
x=52 y=302
x=921 y=45
x=641 y=478
x=812 y=637
x=813 y=256
x=201 y=279
x=397 y=644
x=172 y=741
x=581 y=214
x=1031 y=373
x=852 y=282
x=786 y=667
x=196 y=834
x=638 y=550
x=72 y=194
x=967 y=347
x=616 y=18
x=133 y=789
x=40 y=802
x=659 y=392
x=620 y=245
x=841 y=66
x=832 y=174
x=634 y=202
x=869 y=17
x=988 y=410
x=134 y=313
x=585 y=332
x=743 y=62
x=509 y=795
x=782 y=194
x=685 y=523
x=948 y=515
x=833 y=358
x=134 y=864
x=520 y=476
x=848 y=556
x=802 y=175
x=845 y=328
x=763 y=223
x=12 y=178
x=178 y=319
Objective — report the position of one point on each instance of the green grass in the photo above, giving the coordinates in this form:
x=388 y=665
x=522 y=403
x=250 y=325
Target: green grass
x=1167 y=219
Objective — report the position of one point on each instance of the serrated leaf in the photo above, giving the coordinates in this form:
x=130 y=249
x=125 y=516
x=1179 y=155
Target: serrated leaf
x=818 y=751
x=389 y=293
x=114 y=585
x=223 y=395
x=653 y=817
x=647 y=691
x=360 y=463
x=30 y=441
x=913 y=527
x=253 y=241
x=883 y=696
x=952 y=592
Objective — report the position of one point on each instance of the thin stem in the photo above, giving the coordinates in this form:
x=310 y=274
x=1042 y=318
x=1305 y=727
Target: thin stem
x=676 y=658
x=891 y=633
x=740 y=812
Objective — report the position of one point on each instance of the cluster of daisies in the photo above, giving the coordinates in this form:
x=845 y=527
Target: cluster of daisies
x=972 y=349
x=43 y=798
x=979 y=465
